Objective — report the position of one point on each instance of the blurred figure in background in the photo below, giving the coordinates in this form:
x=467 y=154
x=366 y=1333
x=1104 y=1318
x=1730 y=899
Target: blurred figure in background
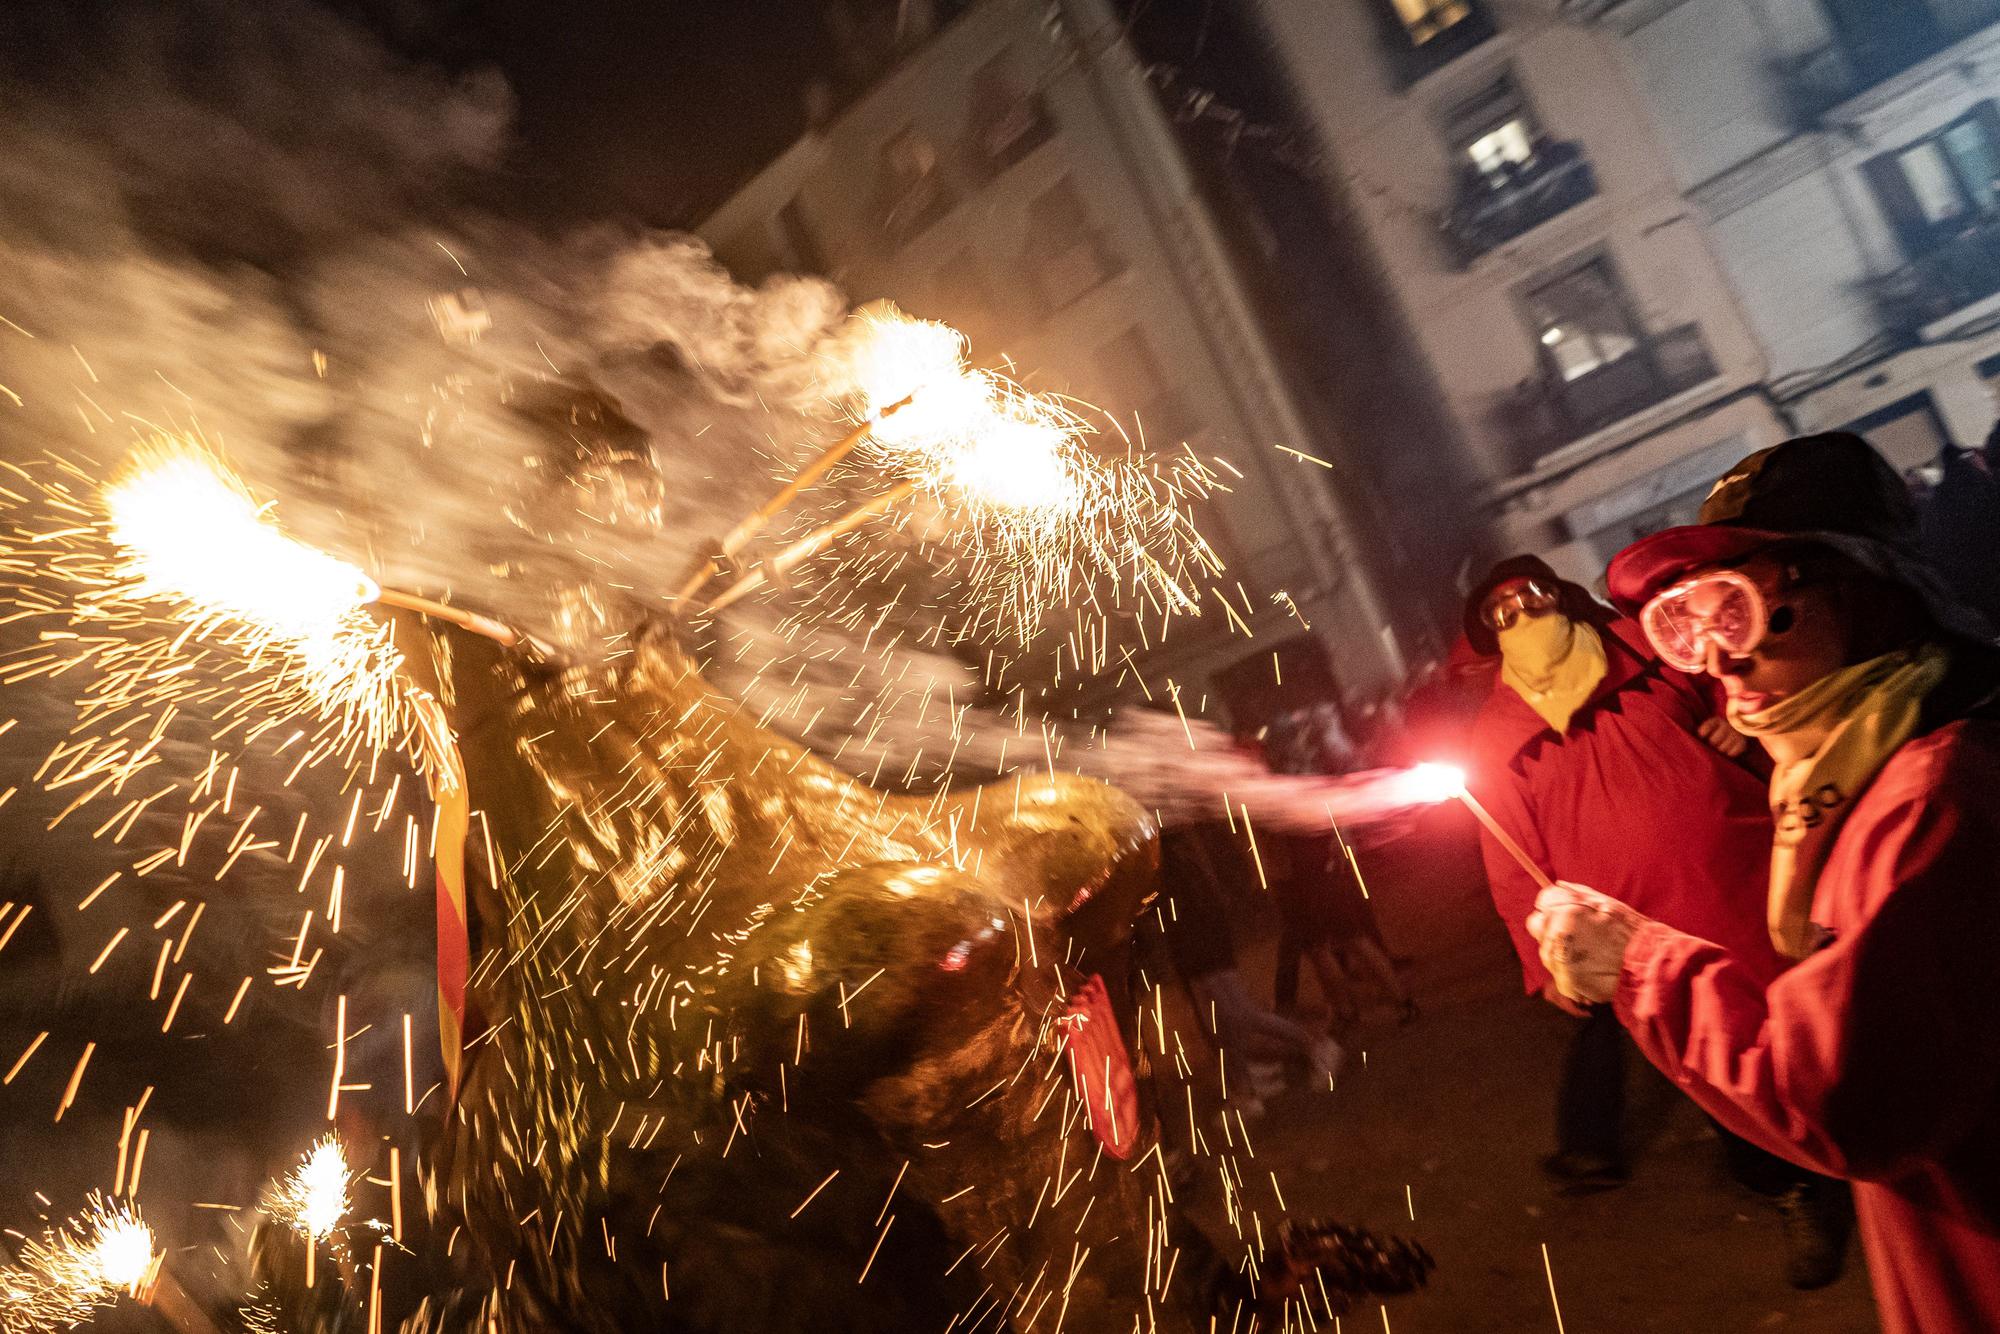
x=1961 y=525
x=1327 y=921
x=1591 y=753
x=1206 y=877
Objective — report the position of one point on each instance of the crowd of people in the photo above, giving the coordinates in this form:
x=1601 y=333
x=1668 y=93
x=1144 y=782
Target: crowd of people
x=1755 y=798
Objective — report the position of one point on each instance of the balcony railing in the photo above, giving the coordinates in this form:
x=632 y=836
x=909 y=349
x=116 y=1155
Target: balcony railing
x=1545 y=414
x=1492 y=210
x=1949 y=277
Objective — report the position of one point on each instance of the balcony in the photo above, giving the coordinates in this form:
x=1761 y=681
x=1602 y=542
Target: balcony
x=1900 y=36
x=1544 y=414
x=1493 y=209
x=1961 y=270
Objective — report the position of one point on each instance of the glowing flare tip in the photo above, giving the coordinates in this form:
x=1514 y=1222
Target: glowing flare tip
x=1430 y=783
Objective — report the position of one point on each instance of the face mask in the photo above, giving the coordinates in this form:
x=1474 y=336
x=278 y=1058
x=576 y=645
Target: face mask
x=1534 y=646
x=1553 y=664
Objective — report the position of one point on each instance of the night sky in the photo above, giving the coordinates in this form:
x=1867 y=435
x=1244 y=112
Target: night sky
x=649 y=109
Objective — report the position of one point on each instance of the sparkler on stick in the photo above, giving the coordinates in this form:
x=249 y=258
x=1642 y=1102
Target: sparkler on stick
x=1448 y=782
x=314 y=1198
x=739 y=536
x=1007 y=458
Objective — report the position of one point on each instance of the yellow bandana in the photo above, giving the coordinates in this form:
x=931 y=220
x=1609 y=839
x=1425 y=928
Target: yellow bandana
x=1552 y=663
x=1829 y=741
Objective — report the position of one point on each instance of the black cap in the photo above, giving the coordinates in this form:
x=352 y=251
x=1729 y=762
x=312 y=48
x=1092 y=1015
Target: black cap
x=1831 y=489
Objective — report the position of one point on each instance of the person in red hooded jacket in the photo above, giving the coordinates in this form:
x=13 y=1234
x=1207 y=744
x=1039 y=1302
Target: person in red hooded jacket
x=1608 y=768
x=1877 y=1055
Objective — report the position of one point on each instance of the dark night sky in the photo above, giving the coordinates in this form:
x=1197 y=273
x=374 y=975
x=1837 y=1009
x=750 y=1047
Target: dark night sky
x=649 y=108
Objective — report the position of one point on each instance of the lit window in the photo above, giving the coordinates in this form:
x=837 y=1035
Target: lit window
x=1425 y=19
x=911 y=189
x=1492 y=151
x=1493 y=128
x=1933 y=189
x=1583 y=321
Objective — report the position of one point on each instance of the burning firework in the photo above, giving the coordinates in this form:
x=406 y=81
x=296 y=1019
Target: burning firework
x=190 y=534
x=75 y=1269
x=1031 y=516
x=314 y=1198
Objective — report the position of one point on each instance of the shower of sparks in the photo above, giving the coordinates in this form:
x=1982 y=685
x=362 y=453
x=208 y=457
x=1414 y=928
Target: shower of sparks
x=76 y=1269
x=632 y=929
x=1030 y=514
x=314 y=1197
x=190 y=535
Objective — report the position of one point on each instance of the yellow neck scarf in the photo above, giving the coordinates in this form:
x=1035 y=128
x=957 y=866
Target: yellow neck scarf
x=1552 y=663
x=1829 y=741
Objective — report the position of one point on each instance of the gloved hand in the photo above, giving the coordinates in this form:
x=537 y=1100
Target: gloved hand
x=1718 y=733
x=1553 y=995
x=1583 y=935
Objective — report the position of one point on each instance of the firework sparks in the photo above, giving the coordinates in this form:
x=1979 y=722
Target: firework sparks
x=192 y=531
x=75 y=1269
x=190 y=534
x=314 y=1197
x=1029 y=515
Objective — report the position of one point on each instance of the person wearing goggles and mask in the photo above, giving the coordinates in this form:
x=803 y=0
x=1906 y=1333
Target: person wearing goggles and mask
x=1612 y=769
x=1876 y=1056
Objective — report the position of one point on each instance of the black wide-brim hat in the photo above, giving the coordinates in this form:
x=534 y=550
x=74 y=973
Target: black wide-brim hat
x=1830 y=489
x=1576 y=602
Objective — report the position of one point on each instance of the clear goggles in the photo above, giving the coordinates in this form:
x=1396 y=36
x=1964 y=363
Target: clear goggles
x=1517 y=598
x=1720 y=607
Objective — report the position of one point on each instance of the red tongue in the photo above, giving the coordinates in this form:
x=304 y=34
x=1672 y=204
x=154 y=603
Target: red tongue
x=1103 y=1074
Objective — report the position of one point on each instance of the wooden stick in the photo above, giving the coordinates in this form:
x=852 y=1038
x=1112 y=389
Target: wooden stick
x=754 y=522
x=1505 y=839
x=811 y=544
x=465 y=620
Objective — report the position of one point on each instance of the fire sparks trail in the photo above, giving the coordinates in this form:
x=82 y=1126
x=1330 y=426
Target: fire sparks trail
x=1030 y=517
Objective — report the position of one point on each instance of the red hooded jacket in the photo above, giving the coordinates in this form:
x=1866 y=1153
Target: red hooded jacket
x=1630 y=801
x=1878 y=1057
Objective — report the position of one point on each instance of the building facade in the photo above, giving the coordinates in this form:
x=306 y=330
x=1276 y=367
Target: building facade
x=1011 y=171
x=1844 y=156
x=1512 y=182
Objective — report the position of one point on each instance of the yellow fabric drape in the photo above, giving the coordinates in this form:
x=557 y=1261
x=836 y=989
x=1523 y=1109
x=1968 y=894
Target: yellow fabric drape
x=1829 y=741
x=1553 y=664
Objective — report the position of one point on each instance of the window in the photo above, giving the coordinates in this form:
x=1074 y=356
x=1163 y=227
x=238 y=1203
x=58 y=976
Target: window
x=1493 y=130
x=1420 y=36
x=1583 y=321
x=1007 y=122
x=911 y=190
x=1600 y=364
x=1933 y=189
x=1136 y=384
x=1426 y=19
x=1064 y=251
x=1909 y=433
x=964 y=297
